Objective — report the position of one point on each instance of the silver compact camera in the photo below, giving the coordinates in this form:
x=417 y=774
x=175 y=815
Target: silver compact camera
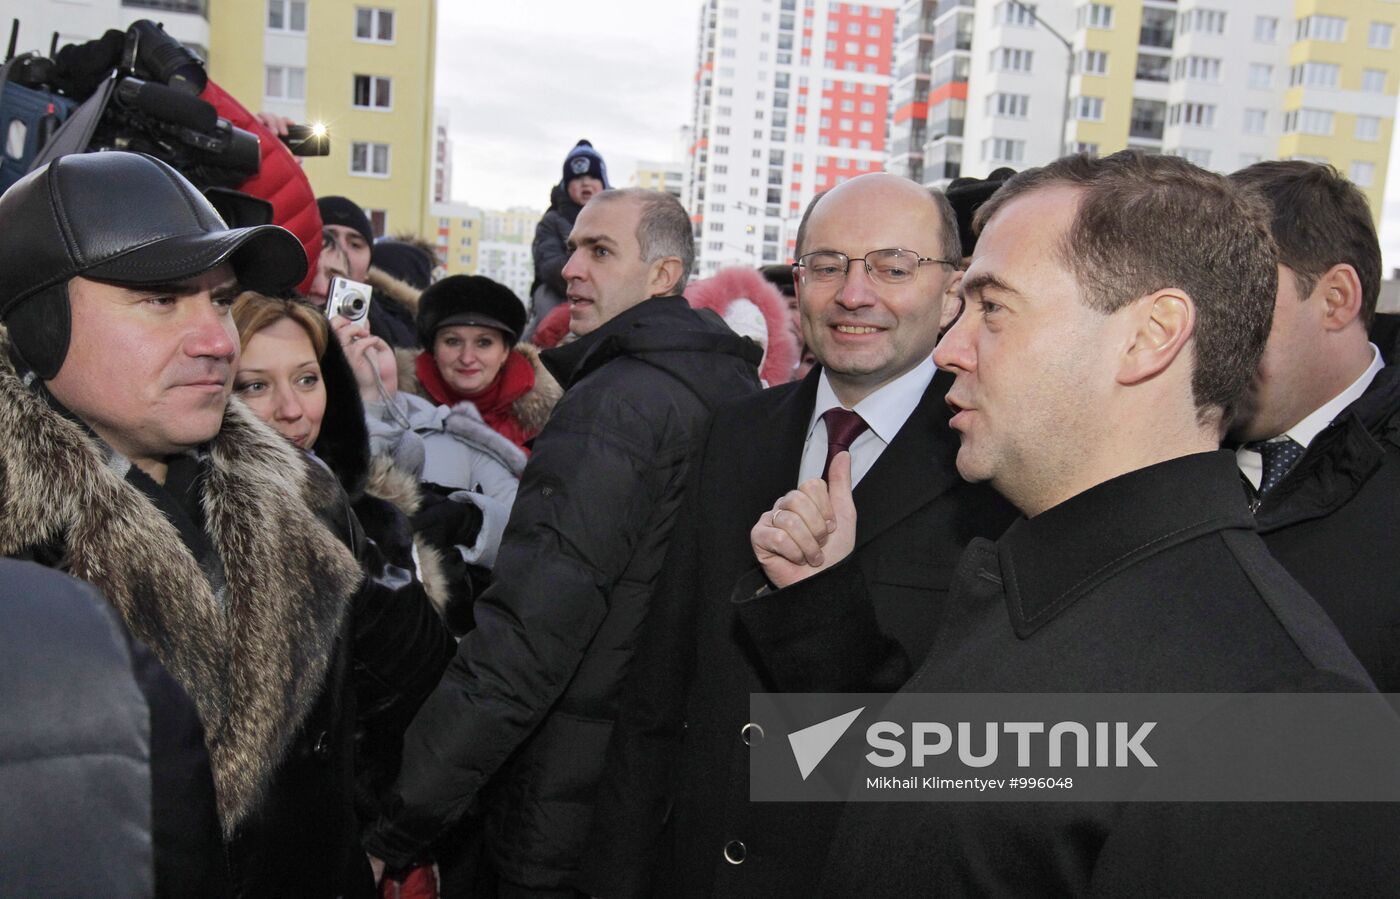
x=347 y=298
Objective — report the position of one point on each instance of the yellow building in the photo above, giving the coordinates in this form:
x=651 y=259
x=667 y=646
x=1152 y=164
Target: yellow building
x=663 y=176
x=1340 y=101
x=365 y=71
x=457 y=232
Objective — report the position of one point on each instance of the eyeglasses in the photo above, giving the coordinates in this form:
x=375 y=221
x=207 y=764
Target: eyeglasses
x=891 y=266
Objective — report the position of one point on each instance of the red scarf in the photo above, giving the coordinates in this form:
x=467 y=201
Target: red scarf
x=495 y=403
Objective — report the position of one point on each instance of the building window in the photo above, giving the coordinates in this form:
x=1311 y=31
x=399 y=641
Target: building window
x=1093 y=62
x=1266 y=29
x=374 y=24
x=1081 y=147
x=286 y=15
x=1256 y=121
x=1363 y=174
x=1379 y=35
x=373 y=92
x=369 y=159
x=1308 y=121
x=1009 y=106
x=1001 y=149
x=1261 y=76
x=285 y=83
x=1373 y=81
x=1368 y=127
x=1010 y=13
x=1200 y=115
x=1203 y=21
x=1096 y=15
x=1010 y=59
x=1322 y=28
x=1089 y=109
x=1197 y=68
x=1314 y=74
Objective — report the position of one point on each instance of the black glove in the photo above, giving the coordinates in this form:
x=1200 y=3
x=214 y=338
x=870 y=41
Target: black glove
x=447 y=523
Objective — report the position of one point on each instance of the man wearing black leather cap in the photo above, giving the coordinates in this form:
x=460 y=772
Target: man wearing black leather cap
x=231 y=554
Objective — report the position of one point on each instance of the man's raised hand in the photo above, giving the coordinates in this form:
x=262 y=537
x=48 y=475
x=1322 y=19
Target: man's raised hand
x=808 y=529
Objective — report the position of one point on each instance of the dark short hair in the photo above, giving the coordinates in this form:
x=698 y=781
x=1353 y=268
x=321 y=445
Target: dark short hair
x=949 y=244
x=664 y=228
x=1319 y=219
x=1146 y=223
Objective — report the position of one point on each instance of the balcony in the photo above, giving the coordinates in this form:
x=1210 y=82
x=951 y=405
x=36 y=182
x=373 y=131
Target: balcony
x=1147 y=129
x=1161 y=38
x=1153 y=68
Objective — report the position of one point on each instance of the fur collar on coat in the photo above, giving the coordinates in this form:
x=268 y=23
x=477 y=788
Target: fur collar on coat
x=254 y=658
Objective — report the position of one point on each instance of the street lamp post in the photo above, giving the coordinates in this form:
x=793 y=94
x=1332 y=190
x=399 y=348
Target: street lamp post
x=1069 y=67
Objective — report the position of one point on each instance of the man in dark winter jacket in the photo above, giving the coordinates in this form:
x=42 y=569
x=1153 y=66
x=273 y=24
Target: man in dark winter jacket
x=1117 y=309
x=584 y=175
x=1320 y=435
x=227 y=551
x=523 y=716
x=877 y=280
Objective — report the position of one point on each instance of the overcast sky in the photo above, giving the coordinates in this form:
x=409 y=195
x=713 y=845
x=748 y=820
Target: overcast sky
x=525 y=79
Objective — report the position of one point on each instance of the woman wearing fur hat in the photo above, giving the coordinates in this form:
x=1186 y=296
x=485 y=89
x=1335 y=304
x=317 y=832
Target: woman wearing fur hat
x=469 y=327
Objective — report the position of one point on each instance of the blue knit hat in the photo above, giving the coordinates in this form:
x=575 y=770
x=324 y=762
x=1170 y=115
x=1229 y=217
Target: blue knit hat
x=584 y=160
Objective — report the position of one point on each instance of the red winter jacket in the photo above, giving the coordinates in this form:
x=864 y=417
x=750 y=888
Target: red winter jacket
x=281 y=180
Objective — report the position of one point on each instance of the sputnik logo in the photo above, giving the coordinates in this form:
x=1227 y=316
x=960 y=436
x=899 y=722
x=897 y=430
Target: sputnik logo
x=811 y=744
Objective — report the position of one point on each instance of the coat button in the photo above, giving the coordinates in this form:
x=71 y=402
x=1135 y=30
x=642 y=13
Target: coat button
x=751 y=734
x=735 y=852
x=322 y=747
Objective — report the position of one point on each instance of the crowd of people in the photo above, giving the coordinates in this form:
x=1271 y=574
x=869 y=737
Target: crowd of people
x=467 y=597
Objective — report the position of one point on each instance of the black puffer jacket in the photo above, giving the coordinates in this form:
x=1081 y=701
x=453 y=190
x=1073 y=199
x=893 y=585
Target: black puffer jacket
x=528 y=704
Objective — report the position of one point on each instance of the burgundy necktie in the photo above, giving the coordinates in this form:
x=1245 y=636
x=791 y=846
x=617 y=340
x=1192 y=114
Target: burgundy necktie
x=842 y=428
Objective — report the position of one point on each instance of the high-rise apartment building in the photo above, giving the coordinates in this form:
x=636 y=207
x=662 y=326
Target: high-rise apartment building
x=791 y=97
x=1222 y=84
x=365 y=70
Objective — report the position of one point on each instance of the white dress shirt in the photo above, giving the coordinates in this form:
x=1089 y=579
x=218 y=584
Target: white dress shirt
x=1252 y=463
x=885 y=411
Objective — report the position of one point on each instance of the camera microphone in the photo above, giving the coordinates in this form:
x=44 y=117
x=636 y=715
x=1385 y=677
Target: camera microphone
x=167 y=104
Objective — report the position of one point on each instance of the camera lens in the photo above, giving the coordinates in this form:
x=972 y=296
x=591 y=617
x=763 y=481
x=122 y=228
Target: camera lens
x=357 y=305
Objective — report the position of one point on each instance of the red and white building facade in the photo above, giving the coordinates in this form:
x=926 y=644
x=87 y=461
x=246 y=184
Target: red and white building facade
x=791 y=98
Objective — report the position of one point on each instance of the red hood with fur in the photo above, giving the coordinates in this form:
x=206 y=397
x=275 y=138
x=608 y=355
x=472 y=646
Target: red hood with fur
x=719 y=293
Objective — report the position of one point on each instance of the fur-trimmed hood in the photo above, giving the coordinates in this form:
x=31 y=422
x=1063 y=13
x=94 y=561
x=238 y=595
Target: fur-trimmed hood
x=533 y=409
x=254 y=657
x=752 y=307
x=395 y=288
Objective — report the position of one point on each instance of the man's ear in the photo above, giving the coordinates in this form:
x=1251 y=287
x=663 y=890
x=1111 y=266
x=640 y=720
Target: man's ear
x=665 y=277
x=952 y=300
x=1162 y=323
x=1340 y=289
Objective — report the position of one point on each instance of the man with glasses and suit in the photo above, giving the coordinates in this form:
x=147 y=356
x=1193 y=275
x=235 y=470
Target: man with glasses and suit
x=877 y=281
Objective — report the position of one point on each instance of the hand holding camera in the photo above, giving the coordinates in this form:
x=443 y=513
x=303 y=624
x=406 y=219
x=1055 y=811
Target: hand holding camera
x=370 y=358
